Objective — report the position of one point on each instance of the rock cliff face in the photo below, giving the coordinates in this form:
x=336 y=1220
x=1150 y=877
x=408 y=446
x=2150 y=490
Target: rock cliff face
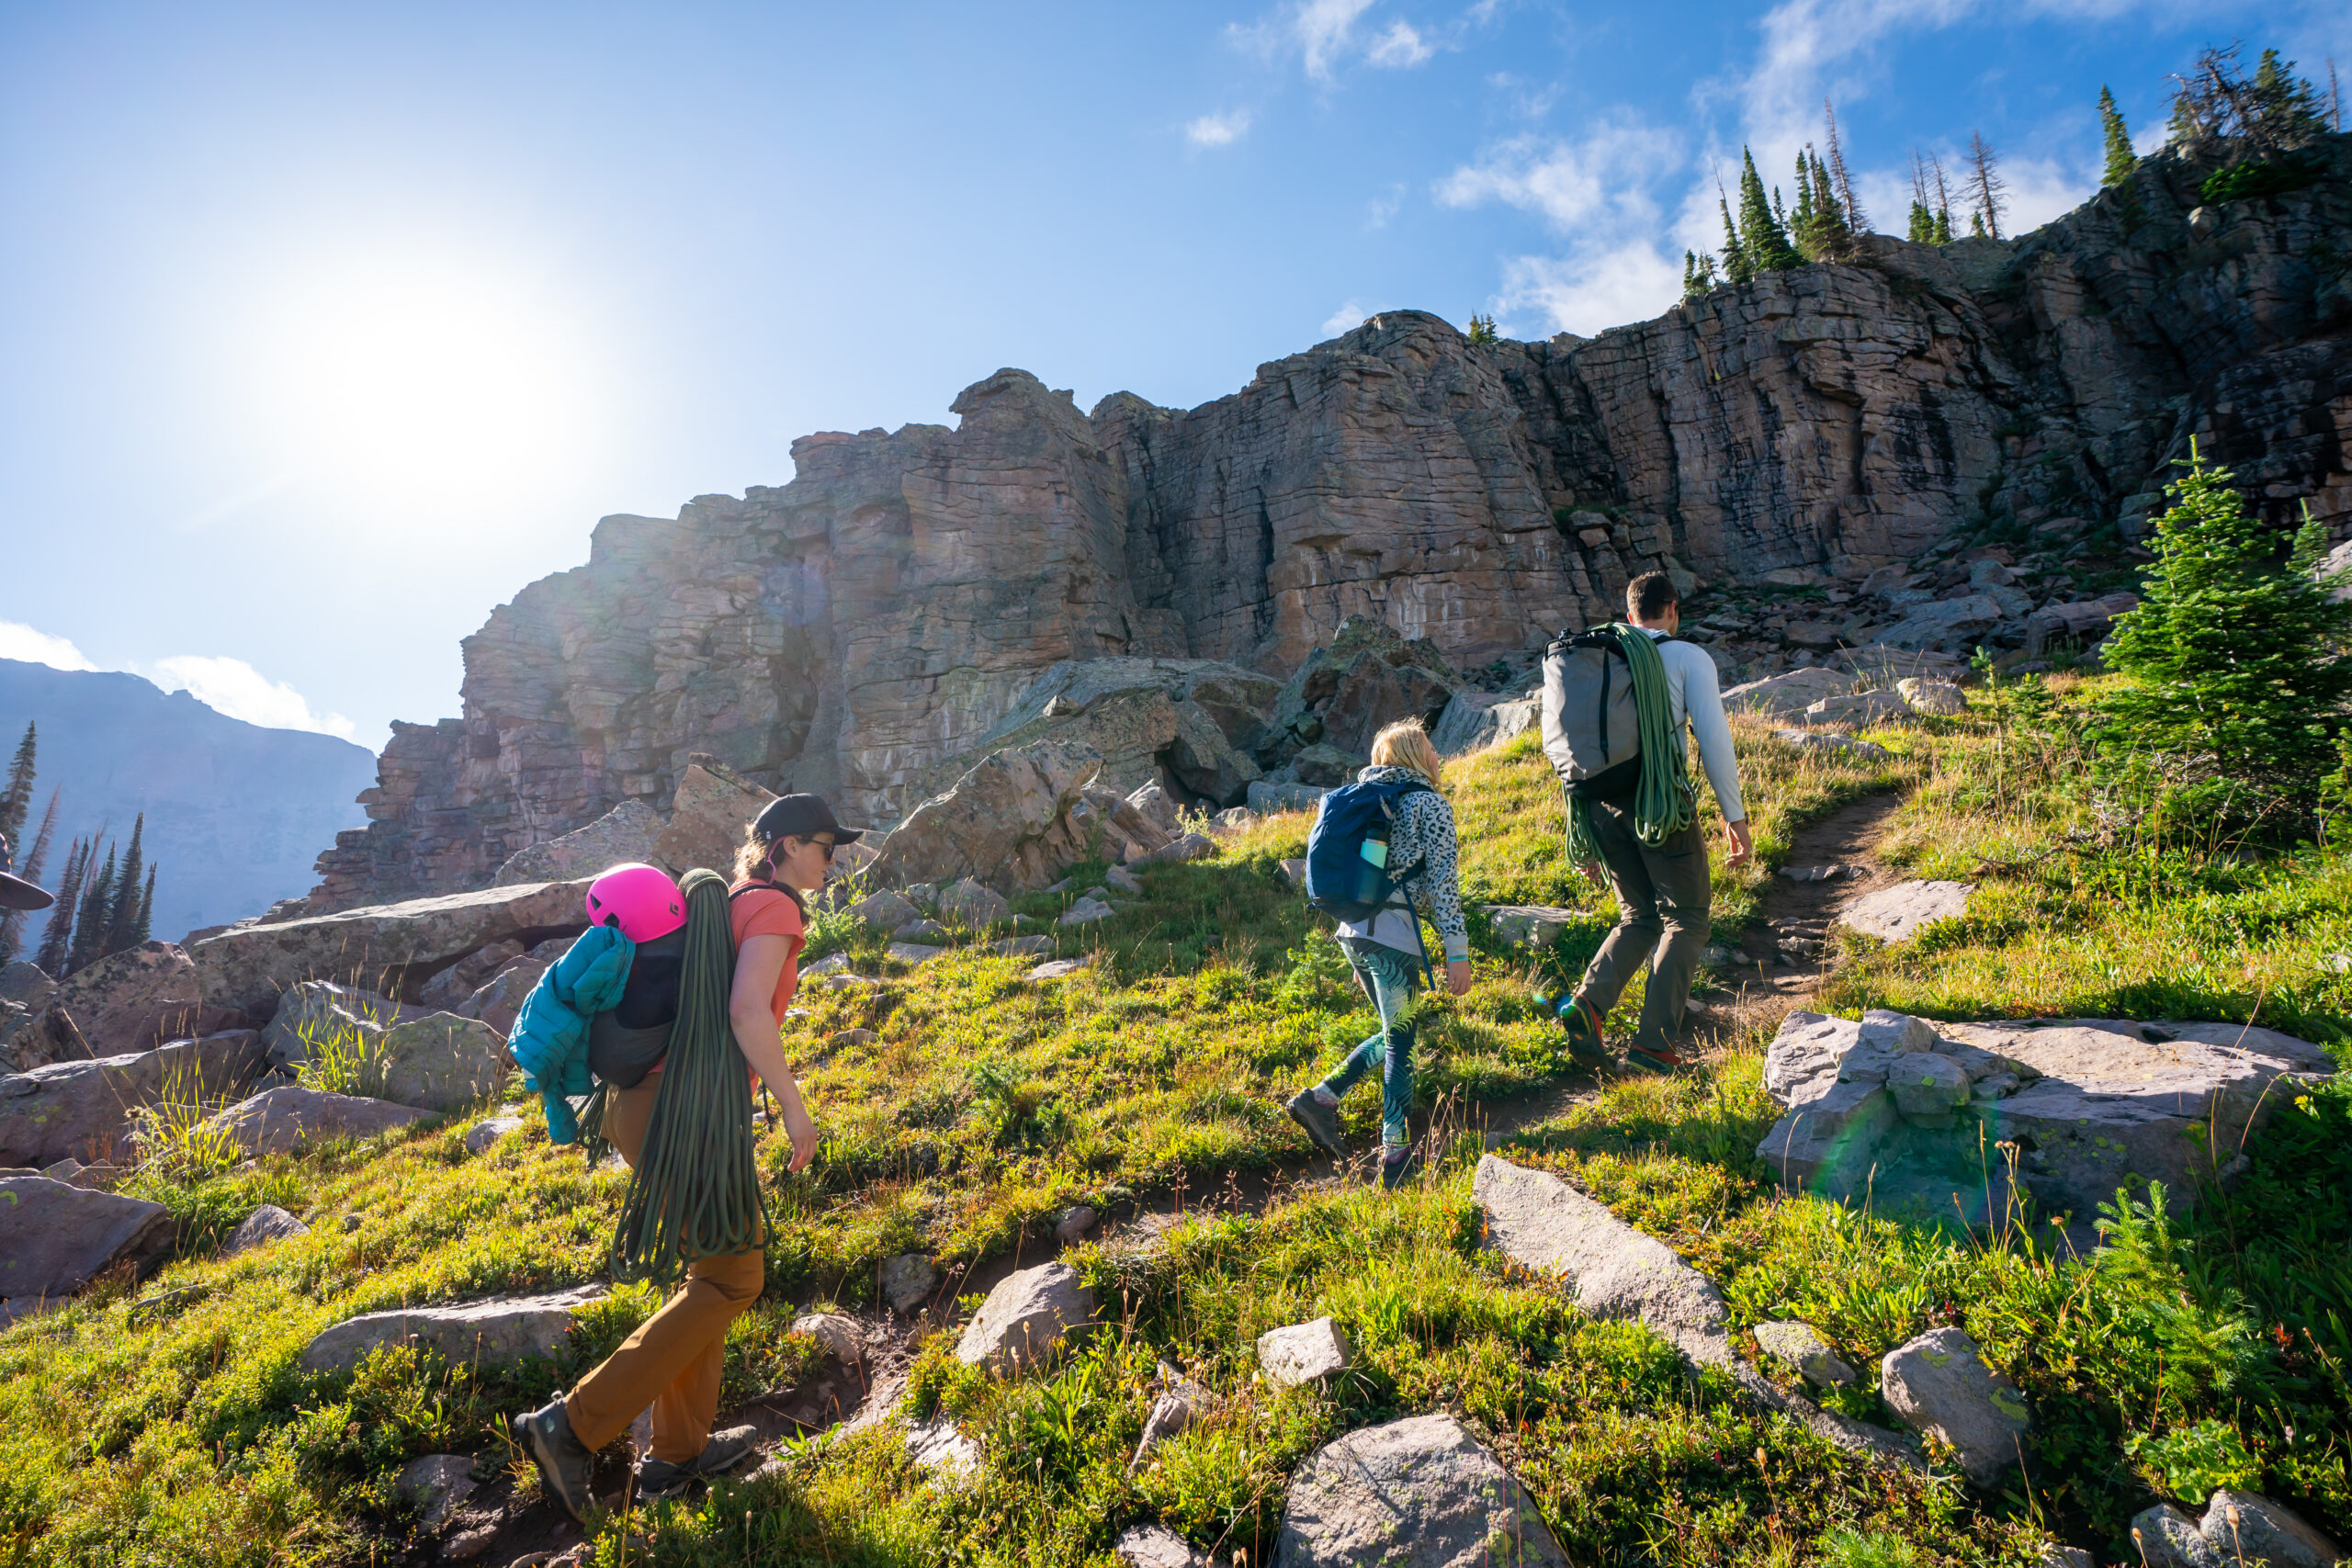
x=884 y=612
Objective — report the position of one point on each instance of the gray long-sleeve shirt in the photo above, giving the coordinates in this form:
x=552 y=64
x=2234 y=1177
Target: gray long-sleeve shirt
x=1698 y=701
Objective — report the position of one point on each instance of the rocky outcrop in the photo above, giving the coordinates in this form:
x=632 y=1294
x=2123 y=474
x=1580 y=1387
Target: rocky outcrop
x=884 y=614
x=283 y=1120
x=1016 y=821
x=1027 y=1320
x=57 y=1237
x=497 y=1333
x=1420 y=1492
x=1939 y=1385
x=87 y=1111
x=625 y=833
x=135 y=999
x=440 y=1062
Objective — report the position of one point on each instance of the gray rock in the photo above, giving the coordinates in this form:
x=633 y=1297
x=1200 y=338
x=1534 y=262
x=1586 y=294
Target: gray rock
x=1940 y=698
x=1896 y=913
x=1788 y=695
x=1020 y=946
x=911 y=952
x=1057 y=969
x=1122 y=880
x=1233 y=819
x=1159 y=805
x=55 y=1238
x=315 y=1012
x=627 y=834
x=1929 y=1089
x=1420 y=1492
x=452 y=985
x=1304 y=1353
x=1802 y=1346
x=484 y=1134
x=281 y=1120
x=1268 y=798
x=1085 y=911
x=1295 y=872
x=1531 y=925
x=267 y=1224
x=1008 y=821
x=1845 y=747
x=1180 y=1404
x=436 y=1486
x=27 y=984
x=2057 y=1556
x=930 y=932
x=1474 y=720
x=2248 y=1531
x=967 y=903
x=2084 y=622
x=1188 y=847
x=887 y=909
x=841 y=1037
x=1860 y=708
x=906 y=1279
x=87 y=1111
x=1027 y=1320
x=503 y=1331
x=1939 y=1385
x=1154 y=1546
x=441 y=1062
x=1946 y=623
x=135 y=999
x=841 y=1334
x=2169 y=1539
x=942 y=1445
x=1072 y=1226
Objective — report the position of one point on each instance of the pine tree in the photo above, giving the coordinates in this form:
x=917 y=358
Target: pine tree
x=122 y=920
x=1802 y=221
x=17 y=798
x=1698 y=274
x=2235 y=677
x=2119 y=157
x=143 y=931
x=1943 y=202
x=1977 y=223
x=1482 y=330
x=1943 y=226
x=57 y=938
x=1850 y=210
x=1832 y=237
x=1738 y=268
x=1763 y=237
x=97 y=913
x=1985 y=179
x=29 y=866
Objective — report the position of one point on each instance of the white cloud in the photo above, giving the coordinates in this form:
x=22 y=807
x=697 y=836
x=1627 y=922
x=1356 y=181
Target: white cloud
x=1385 y=206
x=1347 y=318
x=234 y=687
x=1608 y=174
x=23 y=643
x=1218 y=129
x=1594 y=289
x=1400 y=45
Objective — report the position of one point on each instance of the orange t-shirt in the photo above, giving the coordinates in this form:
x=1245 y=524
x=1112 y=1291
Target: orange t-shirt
x=767 y=910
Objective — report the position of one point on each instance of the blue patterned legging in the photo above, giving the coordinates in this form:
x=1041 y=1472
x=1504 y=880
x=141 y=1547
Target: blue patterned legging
x=1390 y=976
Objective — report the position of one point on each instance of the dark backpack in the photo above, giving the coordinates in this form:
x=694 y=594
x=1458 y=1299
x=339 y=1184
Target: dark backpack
x=1340 y=881
x=1591 y=731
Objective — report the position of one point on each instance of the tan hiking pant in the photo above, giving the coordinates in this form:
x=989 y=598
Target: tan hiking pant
x=674 y=1360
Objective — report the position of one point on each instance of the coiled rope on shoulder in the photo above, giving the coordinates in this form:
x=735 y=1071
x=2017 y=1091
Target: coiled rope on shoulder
x=1666 y=801
x=695 y=1191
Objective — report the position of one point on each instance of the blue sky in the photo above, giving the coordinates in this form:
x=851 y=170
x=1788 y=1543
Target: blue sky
x=327 y=328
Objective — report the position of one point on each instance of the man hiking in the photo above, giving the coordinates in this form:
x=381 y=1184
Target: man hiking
x=1635 y=821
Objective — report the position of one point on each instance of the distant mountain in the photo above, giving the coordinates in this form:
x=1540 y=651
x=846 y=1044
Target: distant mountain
x=235 y=813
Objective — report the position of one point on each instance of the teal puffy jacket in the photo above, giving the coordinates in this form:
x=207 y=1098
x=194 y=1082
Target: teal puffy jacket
x=549 y=1040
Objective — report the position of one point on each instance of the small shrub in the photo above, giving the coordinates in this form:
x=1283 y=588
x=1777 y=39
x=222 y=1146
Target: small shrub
x=2193 y=1463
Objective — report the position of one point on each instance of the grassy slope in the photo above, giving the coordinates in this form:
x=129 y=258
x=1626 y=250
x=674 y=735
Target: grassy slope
x=140 y=1427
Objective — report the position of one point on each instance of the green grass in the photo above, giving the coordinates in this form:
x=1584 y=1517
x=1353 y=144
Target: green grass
x=168 y=1422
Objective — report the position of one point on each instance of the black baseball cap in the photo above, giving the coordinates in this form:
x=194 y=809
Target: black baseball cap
x=801 y=816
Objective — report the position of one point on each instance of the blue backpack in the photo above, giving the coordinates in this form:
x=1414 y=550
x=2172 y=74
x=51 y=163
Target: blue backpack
x=1342 y=879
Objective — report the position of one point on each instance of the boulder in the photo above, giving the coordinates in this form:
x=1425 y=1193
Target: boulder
x=1120 y=879
x=1182 y=1403
x=2084 y=622
x=1929 y=1089
x=1946 y=624
x=55 y=1237
x=1058 y=969
x=1940 y=1387
x=501 y=1332
x=2247 y=1530
x=1531 y=925
x=446 y=990
x=318 y=1010
x=1085 y=911
x=1860 y=708
x=1789 y=695
x=708 y=815
x=1233 y=819
x=998 y=823
x=1154 y=1546
x=1267 y=798
x=1304 y=1353
x=911 y=952
x=483 y=1135
x=930 y=932
x=974 y=905
x=1896 y=913
x=1186 y=721
x=436 y=1486
x=1018 y=946
x=27 y=984
x=1026 y=1319
x=906 y=1279
x=1802 y=1346
x=841 y=1334
x=248 y=966
x=1071 y=1228
x=1420 y=1492
x=500 y=999
x=942 y=1445
x=1347 y=693
x=1159 y=806
x=1324 y=766
x=282 y=1120
x=267 y=1224
x=887 y=909
x=135 y=999
x=2167 y=1538
x=1940 y=698
x=1845 y=748
x=1474 y=720
x=441 y=1062
x=85 y=1111
x=1293 y=872
x=628 y=832
x=1192 y=846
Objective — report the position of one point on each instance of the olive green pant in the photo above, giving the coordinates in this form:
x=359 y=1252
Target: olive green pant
x=1662 y=900
x=674 y=1360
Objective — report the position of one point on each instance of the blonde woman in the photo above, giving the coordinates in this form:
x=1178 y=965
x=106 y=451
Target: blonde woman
x=1386 y=953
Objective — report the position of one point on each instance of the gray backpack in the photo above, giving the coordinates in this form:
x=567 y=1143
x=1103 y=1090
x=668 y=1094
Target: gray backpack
x=1591 y=732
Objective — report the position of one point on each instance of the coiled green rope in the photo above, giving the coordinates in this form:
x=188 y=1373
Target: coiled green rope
x=696 y=1191
x=1664 y=801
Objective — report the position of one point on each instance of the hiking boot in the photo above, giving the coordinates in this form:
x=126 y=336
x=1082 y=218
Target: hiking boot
x=1581 y=1020
x=1657 y=1064
x=562 y=1459
x=658 y=1479
x=1321 y=1122
x=1399 y=1168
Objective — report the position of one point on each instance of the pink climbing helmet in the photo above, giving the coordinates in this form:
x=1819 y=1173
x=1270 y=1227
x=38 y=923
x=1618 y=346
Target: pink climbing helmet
x=640 y=901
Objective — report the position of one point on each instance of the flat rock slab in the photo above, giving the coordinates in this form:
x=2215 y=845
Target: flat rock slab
x=1057 y=969
x=1896 y=913
x=1026 y=1319
x=913 y=952
x=1154 y=1546
x=1787 y=696
x=1611 y=1269
x=1531 y=925
x=1303 y=1352
x=1087 y=910
x=503 y=1331
x=436 y=1486
x=55 y=1237
x=1420 y=1493
x=1022 y=946
x=441 y=1062
x=1939 y=1385
x=83 y=1110
x=940 y=1447
x=266 y=1224
x=1846 y=748
x=283 y=1120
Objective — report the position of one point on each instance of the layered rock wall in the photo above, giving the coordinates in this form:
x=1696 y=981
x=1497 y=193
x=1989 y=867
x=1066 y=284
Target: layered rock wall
x=883 y=613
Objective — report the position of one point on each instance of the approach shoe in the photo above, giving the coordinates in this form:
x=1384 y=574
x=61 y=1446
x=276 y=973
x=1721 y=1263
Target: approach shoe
x=1581 y=1020
x=1397 y=1169
x=1321 y=1122
x=1657 y=1064
x=658 y=1479
x=563 y=1460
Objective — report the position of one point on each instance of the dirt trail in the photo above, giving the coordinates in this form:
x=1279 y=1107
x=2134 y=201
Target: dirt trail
x=1789 y=946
